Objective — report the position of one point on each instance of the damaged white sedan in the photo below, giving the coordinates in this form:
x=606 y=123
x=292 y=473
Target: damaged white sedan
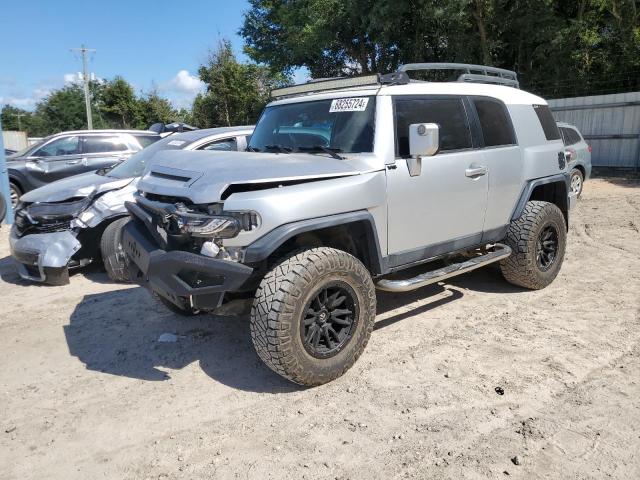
x=78 y=220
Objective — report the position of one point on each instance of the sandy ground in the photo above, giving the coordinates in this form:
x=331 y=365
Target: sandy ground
x=87 y=391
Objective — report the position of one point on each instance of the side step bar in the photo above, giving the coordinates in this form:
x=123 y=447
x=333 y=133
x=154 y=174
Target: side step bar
x=500 y=252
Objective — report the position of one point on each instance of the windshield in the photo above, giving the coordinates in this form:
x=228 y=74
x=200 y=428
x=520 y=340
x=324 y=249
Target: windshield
x=340 y=124
x=134 y=166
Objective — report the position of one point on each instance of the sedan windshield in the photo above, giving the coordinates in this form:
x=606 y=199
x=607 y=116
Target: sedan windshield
x=134 y=166
x=337 y=125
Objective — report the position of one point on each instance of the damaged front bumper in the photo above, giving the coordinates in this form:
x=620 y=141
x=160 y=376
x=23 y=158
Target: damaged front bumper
x=188 y=280
x=44 y=257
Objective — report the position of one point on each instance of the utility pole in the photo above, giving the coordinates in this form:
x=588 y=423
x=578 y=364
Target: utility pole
x=19 y=116
x=85 y=77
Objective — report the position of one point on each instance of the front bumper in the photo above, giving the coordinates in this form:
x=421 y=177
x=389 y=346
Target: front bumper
x=43 y=257
x=188 y=280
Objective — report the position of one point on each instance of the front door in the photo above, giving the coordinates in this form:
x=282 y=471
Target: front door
x=55 y=160
x=442 y=209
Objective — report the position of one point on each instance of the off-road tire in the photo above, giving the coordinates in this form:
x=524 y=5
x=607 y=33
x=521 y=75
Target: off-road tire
x=522 y=267
x=578 y=174
x=113 y=256
x=277 y=313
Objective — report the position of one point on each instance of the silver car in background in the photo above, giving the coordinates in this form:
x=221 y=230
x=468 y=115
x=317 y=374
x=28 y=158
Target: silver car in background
x=75 y=221
x=578 y=154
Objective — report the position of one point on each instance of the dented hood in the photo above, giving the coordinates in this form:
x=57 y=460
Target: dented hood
x=77 y=186
x=203 y=176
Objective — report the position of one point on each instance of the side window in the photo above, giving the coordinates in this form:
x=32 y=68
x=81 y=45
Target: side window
x=548 y=123
x=61 y=146
x=574 y=136
x=449 y=113
x=225 y=145
x=93 y=144
x=495 y=124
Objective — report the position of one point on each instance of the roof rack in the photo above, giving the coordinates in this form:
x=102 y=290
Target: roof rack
x=472 y=73
x=325 y=84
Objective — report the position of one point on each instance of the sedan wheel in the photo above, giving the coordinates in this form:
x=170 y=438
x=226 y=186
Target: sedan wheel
x=576 y=182
x=15 y=193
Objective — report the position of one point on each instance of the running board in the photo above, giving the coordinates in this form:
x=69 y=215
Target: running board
x=500 y=252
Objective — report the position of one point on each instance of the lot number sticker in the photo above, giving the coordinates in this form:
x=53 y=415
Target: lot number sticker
x=349 y=104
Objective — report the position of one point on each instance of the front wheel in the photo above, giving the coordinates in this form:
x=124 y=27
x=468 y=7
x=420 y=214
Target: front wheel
x=313 y=314
x=538 y=241
x=113 y=256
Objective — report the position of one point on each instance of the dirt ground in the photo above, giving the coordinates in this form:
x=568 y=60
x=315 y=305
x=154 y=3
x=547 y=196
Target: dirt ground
x=88 y=391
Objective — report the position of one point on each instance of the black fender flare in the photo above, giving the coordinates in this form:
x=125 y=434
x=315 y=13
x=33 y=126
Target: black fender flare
x=262 y=248
x=531 y=185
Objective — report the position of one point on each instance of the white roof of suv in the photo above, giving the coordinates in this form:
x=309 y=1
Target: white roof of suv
x=509 y=95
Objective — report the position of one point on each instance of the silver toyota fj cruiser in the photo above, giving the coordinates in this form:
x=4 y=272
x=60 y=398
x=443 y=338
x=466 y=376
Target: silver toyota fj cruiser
x=344 y=185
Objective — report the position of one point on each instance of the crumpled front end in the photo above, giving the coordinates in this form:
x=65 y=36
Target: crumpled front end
x=44 y=257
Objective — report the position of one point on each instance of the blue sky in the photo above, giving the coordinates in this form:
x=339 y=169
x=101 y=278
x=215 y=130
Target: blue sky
x=149 y=43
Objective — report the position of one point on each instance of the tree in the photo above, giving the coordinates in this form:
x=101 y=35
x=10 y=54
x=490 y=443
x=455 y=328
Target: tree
x=236 y=92
x=155 y=108
x=118 y=104
x=15 y=118
x=558 y=47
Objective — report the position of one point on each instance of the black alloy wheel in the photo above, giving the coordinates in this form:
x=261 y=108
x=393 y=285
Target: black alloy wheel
x=547 y=247
x=329 y=320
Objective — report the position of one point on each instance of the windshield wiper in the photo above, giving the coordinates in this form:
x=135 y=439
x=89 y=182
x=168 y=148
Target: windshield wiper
x=278 y=148
x=331 y=151
x=253 y=149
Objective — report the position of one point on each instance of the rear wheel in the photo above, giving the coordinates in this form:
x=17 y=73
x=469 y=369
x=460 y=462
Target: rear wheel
x=576 y=182
x=538 y=240
x=113 y=256
x=313 y=314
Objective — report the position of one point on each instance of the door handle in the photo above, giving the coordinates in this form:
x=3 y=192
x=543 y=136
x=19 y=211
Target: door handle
x=475 y=171
x=73 y=162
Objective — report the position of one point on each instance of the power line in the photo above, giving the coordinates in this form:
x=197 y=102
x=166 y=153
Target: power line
x=85 y=77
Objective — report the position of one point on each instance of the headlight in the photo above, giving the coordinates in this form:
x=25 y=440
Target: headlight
x=48 y=211
x=208 y=226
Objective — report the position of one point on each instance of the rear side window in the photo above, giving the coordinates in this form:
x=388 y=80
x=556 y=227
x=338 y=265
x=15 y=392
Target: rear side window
x=495 y=123
x=104 y=145
x=448 y=113
x=571 y=137
x=551 y=131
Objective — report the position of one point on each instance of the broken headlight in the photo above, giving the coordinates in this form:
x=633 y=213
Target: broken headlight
x=228 y=225
x=208 y=226
x=49 y=211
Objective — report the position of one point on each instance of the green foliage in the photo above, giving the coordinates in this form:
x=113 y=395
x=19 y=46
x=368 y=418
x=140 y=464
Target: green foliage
x=236 y=92
x=558 y=47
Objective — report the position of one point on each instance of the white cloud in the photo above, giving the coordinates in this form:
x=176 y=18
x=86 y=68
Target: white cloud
x=72 y=77
x=187 y=83
x=182 y=89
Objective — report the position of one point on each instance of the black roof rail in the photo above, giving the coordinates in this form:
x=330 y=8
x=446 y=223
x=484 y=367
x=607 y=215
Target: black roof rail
x=472 y=73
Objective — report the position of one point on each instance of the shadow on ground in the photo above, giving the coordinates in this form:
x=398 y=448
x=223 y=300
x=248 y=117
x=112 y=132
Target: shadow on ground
x=117 y=333
x=9 y=272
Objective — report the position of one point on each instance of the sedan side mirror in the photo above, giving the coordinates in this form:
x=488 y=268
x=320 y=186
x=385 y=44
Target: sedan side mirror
x=424 y=141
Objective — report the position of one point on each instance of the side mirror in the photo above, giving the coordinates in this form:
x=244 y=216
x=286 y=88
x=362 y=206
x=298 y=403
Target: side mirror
x=424 y=141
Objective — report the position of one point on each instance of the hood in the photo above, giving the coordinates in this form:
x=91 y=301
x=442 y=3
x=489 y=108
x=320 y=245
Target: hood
x=74 y=187
x=204 y=176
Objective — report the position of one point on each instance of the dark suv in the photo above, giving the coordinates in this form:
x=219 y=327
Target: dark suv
x=70 y=153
